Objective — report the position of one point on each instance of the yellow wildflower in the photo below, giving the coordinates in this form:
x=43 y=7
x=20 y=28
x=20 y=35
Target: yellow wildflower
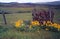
x=48 y=24
x=35 y=23
x=58 y=26
x=55 y=25
x=18 y=23
x=48 y=21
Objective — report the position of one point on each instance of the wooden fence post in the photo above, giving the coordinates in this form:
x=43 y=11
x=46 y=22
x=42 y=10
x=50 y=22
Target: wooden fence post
x=4 y=18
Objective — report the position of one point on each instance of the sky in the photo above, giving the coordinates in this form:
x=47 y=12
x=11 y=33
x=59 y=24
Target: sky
x=27 y=1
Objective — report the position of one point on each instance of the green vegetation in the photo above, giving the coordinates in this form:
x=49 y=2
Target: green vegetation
x=12 y=33
x=9 y=32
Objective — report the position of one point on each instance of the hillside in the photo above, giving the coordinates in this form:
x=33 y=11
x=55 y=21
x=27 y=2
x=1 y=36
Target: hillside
x=15 y=4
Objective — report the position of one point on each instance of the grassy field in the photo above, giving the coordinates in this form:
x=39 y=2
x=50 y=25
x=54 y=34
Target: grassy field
x=11 y=18
x=11 y=33
x=26 y=15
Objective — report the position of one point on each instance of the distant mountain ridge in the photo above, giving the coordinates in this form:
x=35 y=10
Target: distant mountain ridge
x=15 y=4
x=54 y=3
